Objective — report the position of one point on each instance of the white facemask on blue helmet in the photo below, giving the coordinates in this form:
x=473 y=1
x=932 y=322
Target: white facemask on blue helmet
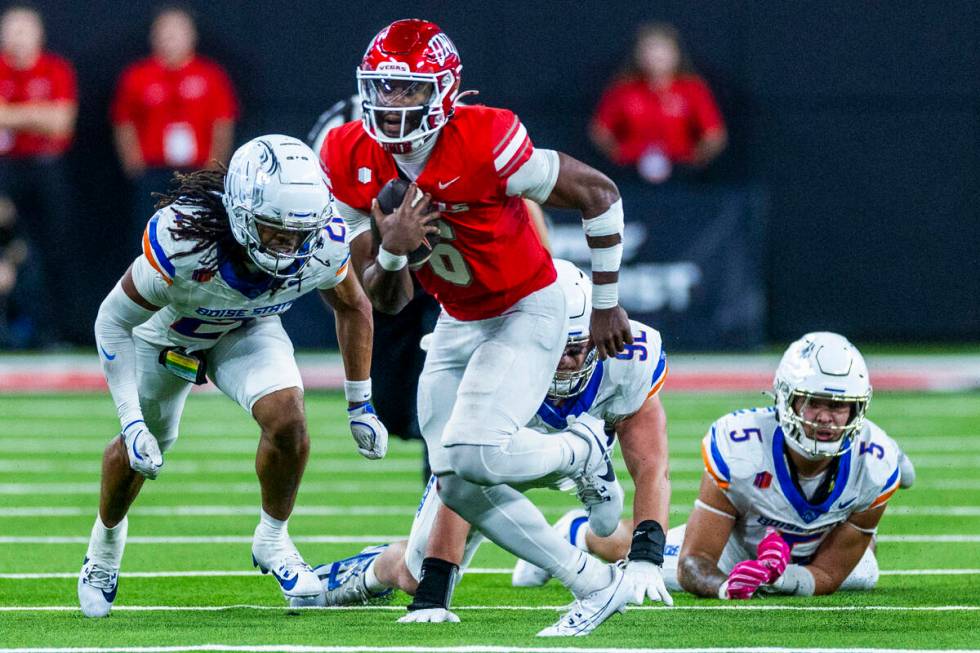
x=821 y=365
x=578 y=302
x=278 y=203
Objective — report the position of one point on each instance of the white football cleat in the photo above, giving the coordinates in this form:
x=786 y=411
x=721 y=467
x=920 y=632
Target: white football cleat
x=296 y=579
x=597 y=487
x=528 y=575
x=97 y=585
x=590 y=611
x=906 y=471
x=343 y=581
x=430 y=616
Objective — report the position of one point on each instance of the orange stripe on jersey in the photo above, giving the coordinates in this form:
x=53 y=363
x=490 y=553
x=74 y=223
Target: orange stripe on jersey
x=659 y=384
x=722 y=483
x=148 y=253
x=883 y=497
x=341 y=270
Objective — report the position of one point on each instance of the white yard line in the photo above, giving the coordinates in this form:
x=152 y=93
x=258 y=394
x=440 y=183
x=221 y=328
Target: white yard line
x=294 y=648
x=473 y=570
x=514 y=608
x=374 y=510
x=356 y=539
x=204 y=539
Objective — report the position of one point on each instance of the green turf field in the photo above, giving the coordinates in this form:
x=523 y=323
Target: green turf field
x=199 y=516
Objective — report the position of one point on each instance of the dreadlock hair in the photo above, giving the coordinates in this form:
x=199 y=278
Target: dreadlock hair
x=209 y=226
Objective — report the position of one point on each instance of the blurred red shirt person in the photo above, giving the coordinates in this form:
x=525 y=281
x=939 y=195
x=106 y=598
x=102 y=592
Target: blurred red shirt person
x=660 y=115
x=38 y=92
x=174 y=109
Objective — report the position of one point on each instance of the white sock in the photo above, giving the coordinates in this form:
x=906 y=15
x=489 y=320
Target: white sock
x=271 y=529
x=107 y=544
x=371 y=581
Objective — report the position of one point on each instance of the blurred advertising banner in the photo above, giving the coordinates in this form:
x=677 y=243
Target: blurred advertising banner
x=693 y=262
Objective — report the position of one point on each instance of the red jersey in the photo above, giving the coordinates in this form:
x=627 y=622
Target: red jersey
x=174 y=111
x=50 y=79
x=490 y=256
x=672 y=119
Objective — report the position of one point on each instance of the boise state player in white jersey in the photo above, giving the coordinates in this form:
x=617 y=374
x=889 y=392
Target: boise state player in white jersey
x=792 y=494
x=616 y=395
x=225 y=255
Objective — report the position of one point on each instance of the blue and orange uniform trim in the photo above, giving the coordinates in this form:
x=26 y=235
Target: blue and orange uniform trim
x=714 y=463
x=155 y=254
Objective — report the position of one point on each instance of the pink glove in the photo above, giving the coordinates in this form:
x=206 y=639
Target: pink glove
x=746 y=577
x=774 y=554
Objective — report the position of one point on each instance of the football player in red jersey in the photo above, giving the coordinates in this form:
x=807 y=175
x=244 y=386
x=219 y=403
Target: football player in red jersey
x=502 y=330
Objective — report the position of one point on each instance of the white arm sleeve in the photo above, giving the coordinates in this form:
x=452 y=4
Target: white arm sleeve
x=536 y=178
x=118 y=316
x=357 y=221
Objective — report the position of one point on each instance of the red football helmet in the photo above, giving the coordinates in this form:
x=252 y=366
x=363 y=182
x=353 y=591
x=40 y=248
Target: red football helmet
x=408 y=83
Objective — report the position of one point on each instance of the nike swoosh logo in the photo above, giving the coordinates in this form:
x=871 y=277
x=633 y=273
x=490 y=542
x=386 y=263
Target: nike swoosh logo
x=286 y=584
x=609 y=474
x=108 y=356
x=844 y=504
x=443 y=185
x=110 y=596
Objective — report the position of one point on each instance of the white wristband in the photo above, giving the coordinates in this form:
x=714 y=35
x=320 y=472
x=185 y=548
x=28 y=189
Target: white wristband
x=723 y=590
x=605 y=295
x=796 y=581
x=607 y=259
x=356 y=391
x=607 y=223
x=391 y=262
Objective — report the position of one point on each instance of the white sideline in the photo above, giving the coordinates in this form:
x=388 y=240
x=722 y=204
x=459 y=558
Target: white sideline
x=294 y=648
x=472 y=570
x=358 y=539
x=406 y=510
x=514 y=608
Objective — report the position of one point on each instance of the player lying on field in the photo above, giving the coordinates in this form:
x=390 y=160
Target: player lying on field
x=792 y=494
x=617 y=395
x=225 y=255
x=502 y=330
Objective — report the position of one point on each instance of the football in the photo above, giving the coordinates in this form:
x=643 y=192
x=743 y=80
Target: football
x=390 y=198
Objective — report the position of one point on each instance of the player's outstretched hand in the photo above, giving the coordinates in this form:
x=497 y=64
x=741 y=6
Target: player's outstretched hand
x=648 y=582
x=430 y=616
x=773 y=553
x=144 y=453
x=610 y=329
x=369 y=433
x=405 y=229
x=745 y=579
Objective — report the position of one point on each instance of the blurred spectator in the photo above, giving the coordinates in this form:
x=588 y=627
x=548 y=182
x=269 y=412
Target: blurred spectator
x=660 y=115
x=16 y=282
x=174 y=110
x=38 y=105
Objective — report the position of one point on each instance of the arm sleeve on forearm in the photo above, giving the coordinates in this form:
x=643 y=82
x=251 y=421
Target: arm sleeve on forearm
x=117 y=317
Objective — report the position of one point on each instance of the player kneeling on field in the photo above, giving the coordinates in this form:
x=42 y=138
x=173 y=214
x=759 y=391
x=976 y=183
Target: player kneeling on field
x=792 y=494
x=225 y=255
